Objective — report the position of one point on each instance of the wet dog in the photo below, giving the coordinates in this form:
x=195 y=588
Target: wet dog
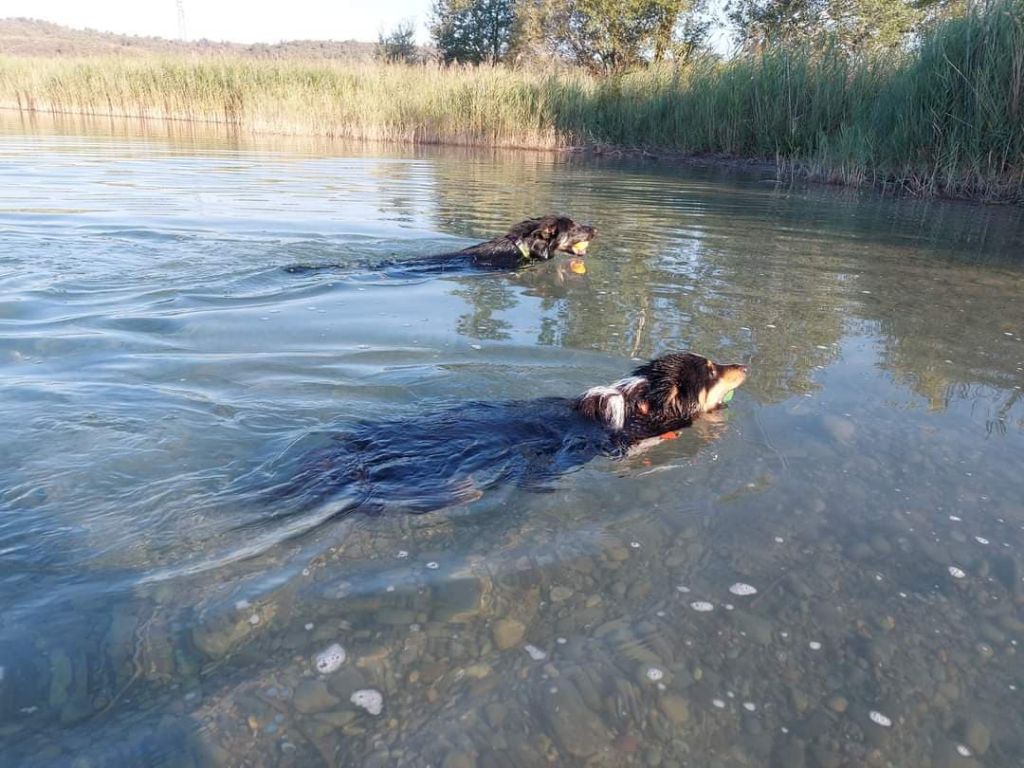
x=528 y=241
x=449 y=456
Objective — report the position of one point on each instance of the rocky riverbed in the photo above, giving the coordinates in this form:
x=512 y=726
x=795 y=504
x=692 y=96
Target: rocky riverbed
x=678 y=642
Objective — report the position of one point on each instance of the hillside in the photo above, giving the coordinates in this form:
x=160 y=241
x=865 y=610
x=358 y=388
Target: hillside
x=31 y=37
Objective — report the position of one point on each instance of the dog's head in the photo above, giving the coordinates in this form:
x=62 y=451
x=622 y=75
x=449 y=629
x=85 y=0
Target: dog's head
x=543 y=237
x=665 y=392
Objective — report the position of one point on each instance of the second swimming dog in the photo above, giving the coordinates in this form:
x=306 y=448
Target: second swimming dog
x=452 y=455
x=528 y=241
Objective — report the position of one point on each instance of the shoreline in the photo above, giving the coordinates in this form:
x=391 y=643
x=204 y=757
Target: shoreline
x=783 y=169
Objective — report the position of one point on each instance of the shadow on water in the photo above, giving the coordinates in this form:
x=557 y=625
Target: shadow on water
x=156 y=360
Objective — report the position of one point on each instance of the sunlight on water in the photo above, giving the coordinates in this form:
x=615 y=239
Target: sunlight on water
x=831 y=574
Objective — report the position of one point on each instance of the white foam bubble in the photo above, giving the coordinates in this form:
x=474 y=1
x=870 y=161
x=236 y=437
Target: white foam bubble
x=814 y=645
x=402 y=554
x=635 y=544
x=749 y=706
x=433 y=565
x=981 y=539
x=956 y=573
x=682 y=589
x=742 y=590
x=718 y=703
x=368 y=699
x=654 y=674
x=702 y=606
x=330 y=659
x=963 y=750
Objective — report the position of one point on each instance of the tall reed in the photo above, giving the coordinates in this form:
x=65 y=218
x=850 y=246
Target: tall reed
x=944 y=118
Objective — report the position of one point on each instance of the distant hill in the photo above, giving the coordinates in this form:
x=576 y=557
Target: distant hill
x=31 y=37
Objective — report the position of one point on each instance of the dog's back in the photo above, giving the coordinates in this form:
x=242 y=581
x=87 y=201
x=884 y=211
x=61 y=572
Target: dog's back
x=450 y=455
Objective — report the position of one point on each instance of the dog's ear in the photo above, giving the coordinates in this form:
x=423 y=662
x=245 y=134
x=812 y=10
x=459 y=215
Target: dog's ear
x=604 y=404
x=665 y=396
x=546 y=230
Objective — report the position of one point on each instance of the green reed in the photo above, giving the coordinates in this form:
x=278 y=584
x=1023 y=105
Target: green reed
x=944 y=118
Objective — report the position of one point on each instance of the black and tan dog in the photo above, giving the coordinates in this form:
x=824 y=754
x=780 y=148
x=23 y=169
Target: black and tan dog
x=448 y=456
x=528 y=241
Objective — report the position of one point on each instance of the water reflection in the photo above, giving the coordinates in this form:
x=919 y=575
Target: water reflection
x=156 y=359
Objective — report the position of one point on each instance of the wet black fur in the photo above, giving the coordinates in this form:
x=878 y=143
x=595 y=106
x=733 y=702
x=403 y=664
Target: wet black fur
x=451 y=455
x=532 y=240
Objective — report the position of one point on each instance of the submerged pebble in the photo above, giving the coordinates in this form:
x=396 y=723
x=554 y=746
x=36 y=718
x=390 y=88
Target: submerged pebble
x=535 y=653
x=369 y=699
x=814 y=645
x=879 y=719
x=330 y=659
x=742 y=590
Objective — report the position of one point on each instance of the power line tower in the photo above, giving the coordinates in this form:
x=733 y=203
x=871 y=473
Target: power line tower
x=182 y=32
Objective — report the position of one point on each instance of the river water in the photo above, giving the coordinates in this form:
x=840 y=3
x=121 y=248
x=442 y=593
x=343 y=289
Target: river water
x=158 y=367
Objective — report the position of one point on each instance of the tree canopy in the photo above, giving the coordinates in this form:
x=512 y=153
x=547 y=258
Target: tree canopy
x=856 y=25
x=473 y=31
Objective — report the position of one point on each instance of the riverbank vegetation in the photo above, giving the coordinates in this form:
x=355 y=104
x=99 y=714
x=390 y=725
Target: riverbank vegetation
x=941 y=116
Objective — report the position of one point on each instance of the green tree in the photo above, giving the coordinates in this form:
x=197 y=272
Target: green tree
x=473 y=31
x=858 y=26
x=398 y=45
x=615 y=35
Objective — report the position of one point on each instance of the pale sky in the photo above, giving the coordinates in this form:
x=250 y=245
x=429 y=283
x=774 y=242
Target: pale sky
x=242 y=21
x=248 y=21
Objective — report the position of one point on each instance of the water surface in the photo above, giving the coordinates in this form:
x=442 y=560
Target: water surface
x=157 y=365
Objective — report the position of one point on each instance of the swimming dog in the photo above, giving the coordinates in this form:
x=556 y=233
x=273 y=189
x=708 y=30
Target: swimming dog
x=443 y=457
x=528 y=241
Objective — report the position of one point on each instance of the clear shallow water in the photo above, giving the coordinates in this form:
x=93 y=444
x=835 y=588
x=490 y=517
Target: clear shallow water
x=157 y=365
